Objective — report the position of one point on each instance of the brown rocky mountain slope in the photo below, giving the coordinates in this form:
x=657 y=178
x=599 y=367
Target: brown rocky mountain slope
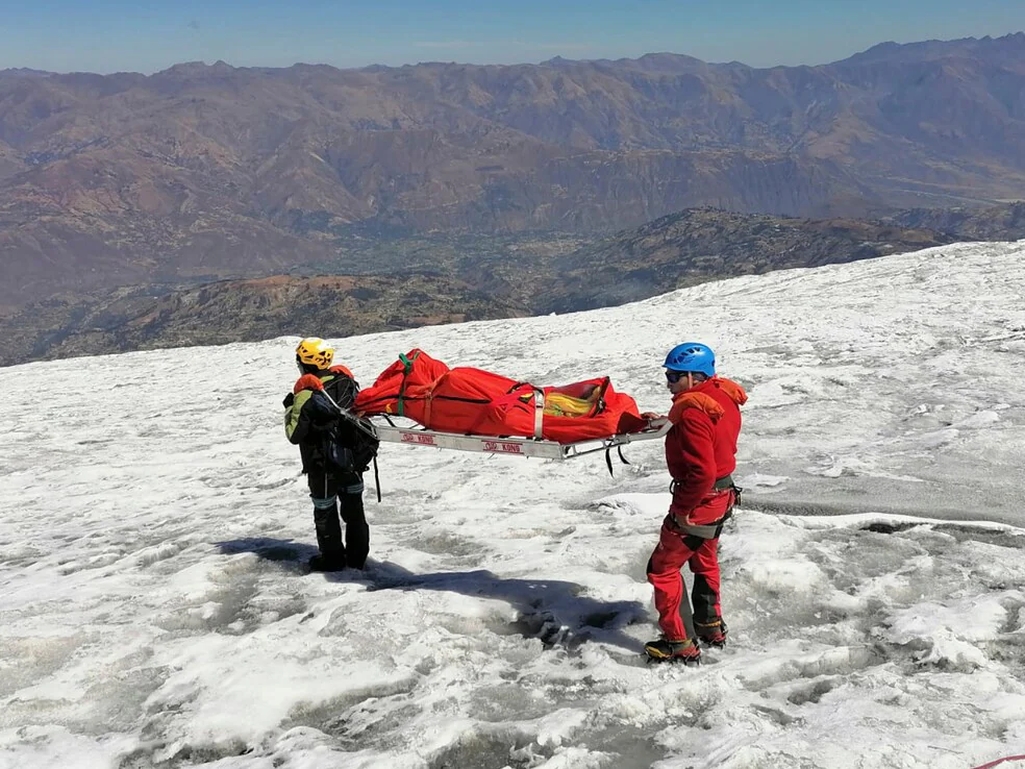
x=692 y=246
x=241 y=310
x=1005 y=222
x=205 y=172
x=520 y=276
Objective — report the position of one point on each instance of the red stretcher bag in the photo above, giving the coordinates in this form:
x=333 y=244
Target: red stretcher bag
x=472 y=401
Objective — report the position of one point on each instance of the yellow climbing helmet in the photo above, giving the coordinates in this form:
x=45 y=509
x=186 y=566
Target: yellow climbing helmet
x=313 y=351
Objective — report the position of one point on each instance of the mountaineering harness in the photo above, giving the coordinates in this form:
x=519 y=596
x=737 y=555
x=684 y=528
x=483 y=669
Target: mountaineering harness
x=714 y=529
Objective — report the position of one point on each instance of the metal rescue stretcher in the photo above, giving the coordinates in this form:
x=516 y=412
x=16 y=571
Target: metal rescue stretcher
x=382 y=427
x=416 y=435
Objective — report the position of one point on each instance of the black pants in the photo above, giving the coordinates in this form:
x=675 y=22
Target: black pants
x=334 y=493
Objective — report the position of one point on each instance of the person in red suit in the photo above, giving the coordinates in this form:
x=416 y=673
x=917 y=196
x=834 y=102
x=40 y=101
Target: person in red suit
x=701 y=452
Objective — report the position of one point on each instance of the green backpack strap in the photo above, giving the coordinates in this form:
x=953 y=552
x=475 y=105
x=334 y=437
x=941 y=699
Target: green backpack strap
x=407 y=366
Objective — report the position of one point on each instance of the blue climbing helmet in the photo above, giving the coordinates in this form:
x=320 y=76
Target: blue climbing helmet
x=691 y=356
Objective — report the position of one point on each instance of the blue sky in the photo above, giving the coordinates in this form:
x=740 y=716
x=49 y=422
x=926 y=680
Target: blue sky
x=112 y=35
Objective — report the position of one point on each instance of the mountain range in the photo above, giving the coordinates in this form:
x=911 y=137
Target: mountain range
x=201 y=173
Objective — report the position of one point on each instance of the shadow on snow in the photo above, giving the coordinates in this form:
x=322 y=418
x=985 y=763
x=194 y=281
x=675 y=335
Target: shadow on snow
x=557 y=612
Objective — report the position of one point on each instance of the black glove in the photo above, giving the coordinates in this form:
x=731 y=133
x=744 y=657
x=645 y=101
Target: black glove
x=288 y=401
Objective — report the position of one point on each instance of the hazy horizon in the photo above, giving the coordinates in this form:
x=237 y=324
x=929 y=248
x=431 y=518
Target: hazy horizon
x=113 y=36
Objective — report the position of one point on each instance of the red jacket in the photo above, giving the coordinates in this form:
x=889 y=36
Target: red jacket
x=702 y=444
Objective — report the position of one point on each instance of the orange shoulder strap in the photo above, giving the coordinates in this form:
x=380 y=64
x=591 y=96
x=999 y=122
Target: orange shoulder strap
x=685 y=401
x=733 y=390
x=340 y=369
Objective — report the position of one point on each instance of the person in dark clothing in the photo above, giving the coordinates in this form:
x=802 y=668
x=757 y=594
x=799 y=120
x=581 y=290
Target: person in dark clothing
x=701 y=452
x=312 y=422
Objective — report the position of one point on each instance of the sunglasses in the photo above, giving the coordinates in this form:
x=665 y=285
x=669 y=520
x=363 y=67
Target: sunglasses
x=675 y=376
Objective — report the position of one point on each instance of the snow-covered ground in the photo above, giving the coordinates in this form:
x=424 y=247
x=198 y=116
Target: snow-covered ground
x=153 y=530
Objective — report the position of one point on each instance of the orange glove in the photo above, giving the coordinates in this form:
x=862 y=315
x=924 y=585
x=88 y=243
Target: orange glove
x=307 y=382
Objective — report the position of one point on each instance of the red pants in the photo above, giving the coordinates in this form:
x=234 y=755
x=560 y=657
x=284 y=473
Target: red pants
x=675 y=549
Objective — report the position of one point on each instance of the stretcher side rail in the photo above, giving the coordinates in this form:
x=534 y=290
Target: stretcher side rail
x=527 y=447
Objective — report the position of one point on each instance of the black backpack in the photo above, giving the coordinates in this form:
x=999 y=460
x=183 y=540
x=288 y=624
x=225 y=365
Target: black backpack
x=349 y=442
x=351 y=447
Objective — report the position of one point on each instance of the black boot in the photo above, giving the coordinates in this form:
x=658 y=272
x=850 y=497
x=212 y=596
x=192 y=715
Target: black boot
x=329 y=540
x=357 y=532
x=321 y=562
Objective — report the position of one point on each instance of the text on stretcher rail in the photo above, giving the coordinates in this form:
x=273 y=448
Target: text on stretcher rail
x=508 y=448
